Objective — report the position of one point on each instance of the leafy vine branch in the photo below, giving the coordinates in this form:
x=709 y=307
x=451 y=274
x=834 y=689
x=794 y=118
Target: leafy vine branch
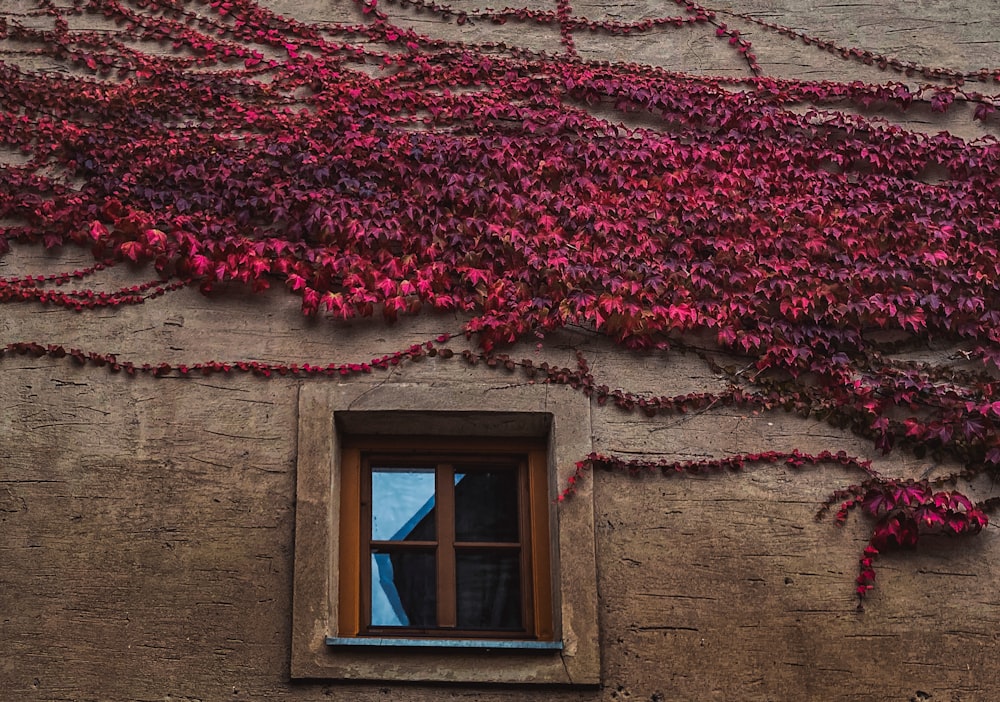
x=370 y=169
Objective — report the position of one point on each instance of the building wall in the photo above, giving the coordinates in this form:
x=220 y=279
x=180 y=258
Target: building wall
x=148 y=524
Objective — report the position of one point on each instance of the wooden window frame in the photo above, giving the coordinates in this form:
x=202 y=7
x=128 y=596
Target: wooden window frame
x=354 y=573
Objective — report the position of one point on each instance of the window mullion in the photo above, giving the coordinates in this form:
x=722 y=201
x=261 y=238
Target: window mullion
x=447 y=606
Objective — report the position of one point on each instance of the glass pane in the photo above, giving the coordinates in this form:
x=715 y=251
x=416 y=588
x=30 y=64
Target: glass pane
x=489 y=589
x=404 y=589
x=486 y=505
x=402 y=504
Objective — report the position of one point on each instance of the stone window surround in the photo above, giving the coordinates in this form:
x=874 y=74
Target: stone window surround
x=329 y=411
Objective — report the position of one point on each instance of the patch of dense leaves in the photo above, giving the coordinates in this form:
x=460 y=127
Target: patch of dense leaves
x=373 y=170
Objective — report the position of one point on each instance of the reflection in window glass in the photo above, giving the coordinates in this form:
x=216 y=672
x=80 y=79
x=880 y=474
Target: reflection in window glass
x=401 y=498
x=403 y=589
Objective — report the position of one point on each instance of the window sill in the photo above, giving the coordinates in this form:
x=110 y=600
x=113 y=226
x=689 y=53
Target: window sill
x=486 y=644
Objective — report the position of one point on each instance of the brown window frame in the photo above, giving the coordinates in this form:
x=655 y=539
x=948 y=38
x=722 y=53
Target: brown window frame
x=358 y=452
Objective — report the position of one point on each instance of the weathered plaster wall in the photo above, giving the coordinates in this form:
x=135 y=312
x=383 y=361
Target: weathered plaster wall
x=146 y=526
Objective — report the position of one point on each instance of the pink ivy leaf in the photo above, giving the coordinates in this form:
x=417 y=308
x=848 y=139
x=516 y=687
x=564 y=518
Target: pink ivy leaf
x=878 y=501
x=132 y=250
x=910 y=494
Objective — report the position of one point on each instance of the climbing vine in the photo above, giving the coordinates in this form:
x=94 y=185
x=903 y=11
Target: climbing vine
x=372 y=170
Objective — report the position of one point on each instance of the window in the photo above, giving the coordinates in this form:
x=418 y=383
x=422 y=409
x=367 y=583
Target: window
x=379 y=439
x=444 y=539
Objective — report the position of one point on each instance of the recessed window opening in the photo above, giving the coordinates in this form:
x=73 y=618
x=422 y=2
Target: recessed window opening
x=451 y=540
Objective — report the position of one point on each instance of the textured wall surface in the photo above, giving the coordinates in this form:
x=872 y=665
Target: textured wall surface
x=146 y=525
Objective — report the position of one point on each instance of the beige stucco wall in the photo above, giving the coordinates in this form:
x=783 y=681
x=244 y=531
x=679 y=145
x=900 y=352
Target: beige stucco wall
x=146 y=525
